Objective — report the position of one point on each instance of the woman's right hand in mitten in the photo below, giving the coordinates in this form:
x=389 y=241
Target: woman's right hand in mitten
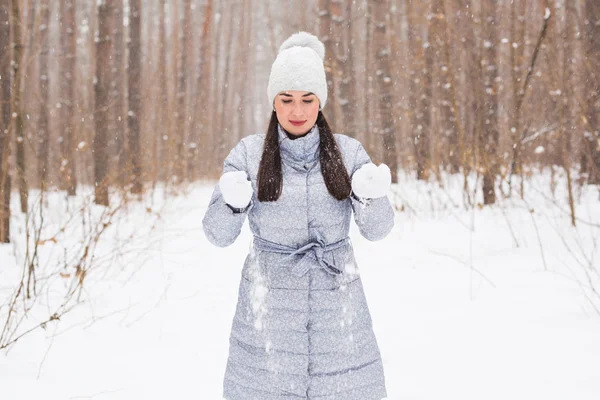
x=236 y=189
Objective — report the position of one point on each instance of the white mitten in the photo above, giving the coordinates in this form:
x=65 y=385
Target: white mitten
x=236 y=189
x=371 y=182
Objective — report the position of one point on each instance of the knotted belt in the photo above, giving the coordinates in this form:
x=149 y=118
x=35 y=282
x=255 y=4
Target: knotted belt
x=313 y=251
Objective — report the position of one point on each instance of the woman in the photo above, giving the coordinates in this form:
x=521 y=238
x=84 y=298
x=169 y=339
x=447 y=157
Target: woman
x=302 y=328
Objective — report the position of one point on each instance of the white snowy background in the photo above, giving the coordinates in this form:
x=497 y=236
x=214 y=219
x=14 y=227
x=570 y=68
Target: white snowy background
x=478 y=304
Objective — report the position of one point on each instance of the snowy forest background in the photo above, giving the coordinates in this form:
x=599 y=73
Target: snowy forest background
x=116 y=115
x=495 y=87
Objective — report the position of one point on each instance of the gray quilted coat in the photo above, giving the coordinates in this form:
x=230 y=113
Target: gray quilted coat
x=302 y=328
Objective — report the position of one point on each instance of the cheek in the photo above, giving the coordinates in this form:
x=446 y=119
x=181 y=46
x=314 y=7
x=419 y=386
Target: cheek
x=283 y=114
x=280 y=110
x=313 y=111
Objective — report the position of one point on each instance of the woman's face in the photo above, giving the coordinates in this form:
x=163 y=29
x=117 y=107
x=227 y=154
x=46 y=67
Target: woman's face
x=296 y=111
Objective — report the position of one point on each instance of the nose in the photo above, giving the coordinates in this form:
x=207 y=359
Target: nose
x=297 y=111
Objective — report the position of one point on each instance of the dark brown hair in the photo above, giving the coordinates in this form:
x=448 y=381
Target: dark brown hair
x=270 y=177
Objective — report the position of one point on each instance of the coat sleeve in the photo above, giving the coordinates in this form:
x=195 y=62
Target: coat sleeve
x=222 y=224
x=374 y=217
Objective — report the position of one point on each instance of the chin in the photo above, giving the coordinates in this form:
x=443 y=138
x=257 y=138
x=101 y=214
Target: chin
x=298 y=130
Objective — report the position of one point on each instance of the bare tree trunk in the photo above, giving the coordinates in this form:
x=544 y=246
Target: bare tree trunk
x=175 y=134
x=368 y=76
x=554 y=106
x=239 y=81
x=517 y=50
x=474 y=113
x=246 y=82
x=184 y=37
x=229 y=82
x=29 y=86
x=440 y=41
x=420 y=116
x=567 y=113
x=336 y=48
x=17 y=107
x=68 y=43
x=216 y=128
x=149 y=123
x=385 y=84
x=5 y=121
x=200 y=134
x=118 y=95
x=491 y=134
x=163 y=101
x=344 y=55
x=134 y=87
x=459 y=154
x=426 y=135
x=44 y=83
x=102 y=97
x=325 y=35
x=190 y=71
x=591 y=156
x=519 y=94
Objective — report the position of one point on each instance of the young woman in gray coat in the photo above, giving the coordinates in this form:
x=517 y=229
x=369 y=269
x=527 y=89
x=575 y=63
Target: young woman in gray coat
x=302 y=328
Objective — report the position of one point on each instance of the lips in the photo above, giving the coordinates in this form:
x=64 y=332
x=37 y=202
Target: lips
x=297 y=123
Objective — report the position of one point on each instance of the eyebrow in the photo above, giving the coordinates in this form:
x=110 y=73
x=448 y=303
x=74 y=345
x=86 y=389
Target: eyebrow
x=289 y=95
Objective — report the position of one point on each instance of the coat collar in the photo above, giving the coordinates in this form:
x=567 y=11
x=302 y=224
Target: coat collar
x=304 y=149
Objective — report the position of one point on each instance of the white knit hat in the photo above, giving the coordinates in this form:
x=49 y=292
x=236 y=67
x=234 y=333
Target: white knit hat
x=299 y=66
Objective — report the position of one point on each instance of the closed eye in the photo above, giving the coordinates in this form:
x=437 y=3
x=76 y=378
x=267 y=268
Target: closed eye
x=289 y=101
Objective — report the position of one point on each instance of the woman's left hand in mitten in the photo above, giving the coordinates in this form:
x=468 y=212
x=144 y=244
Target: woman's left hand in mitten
x=371 y=181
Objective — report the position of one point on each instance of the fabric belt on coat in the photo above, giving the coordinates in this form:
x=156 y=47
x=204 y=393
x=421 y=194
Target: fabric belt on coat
x=313 y=251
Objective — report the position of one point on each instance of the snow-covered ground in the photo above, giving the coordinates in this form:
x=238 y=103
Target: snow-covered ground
x=464 y=305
